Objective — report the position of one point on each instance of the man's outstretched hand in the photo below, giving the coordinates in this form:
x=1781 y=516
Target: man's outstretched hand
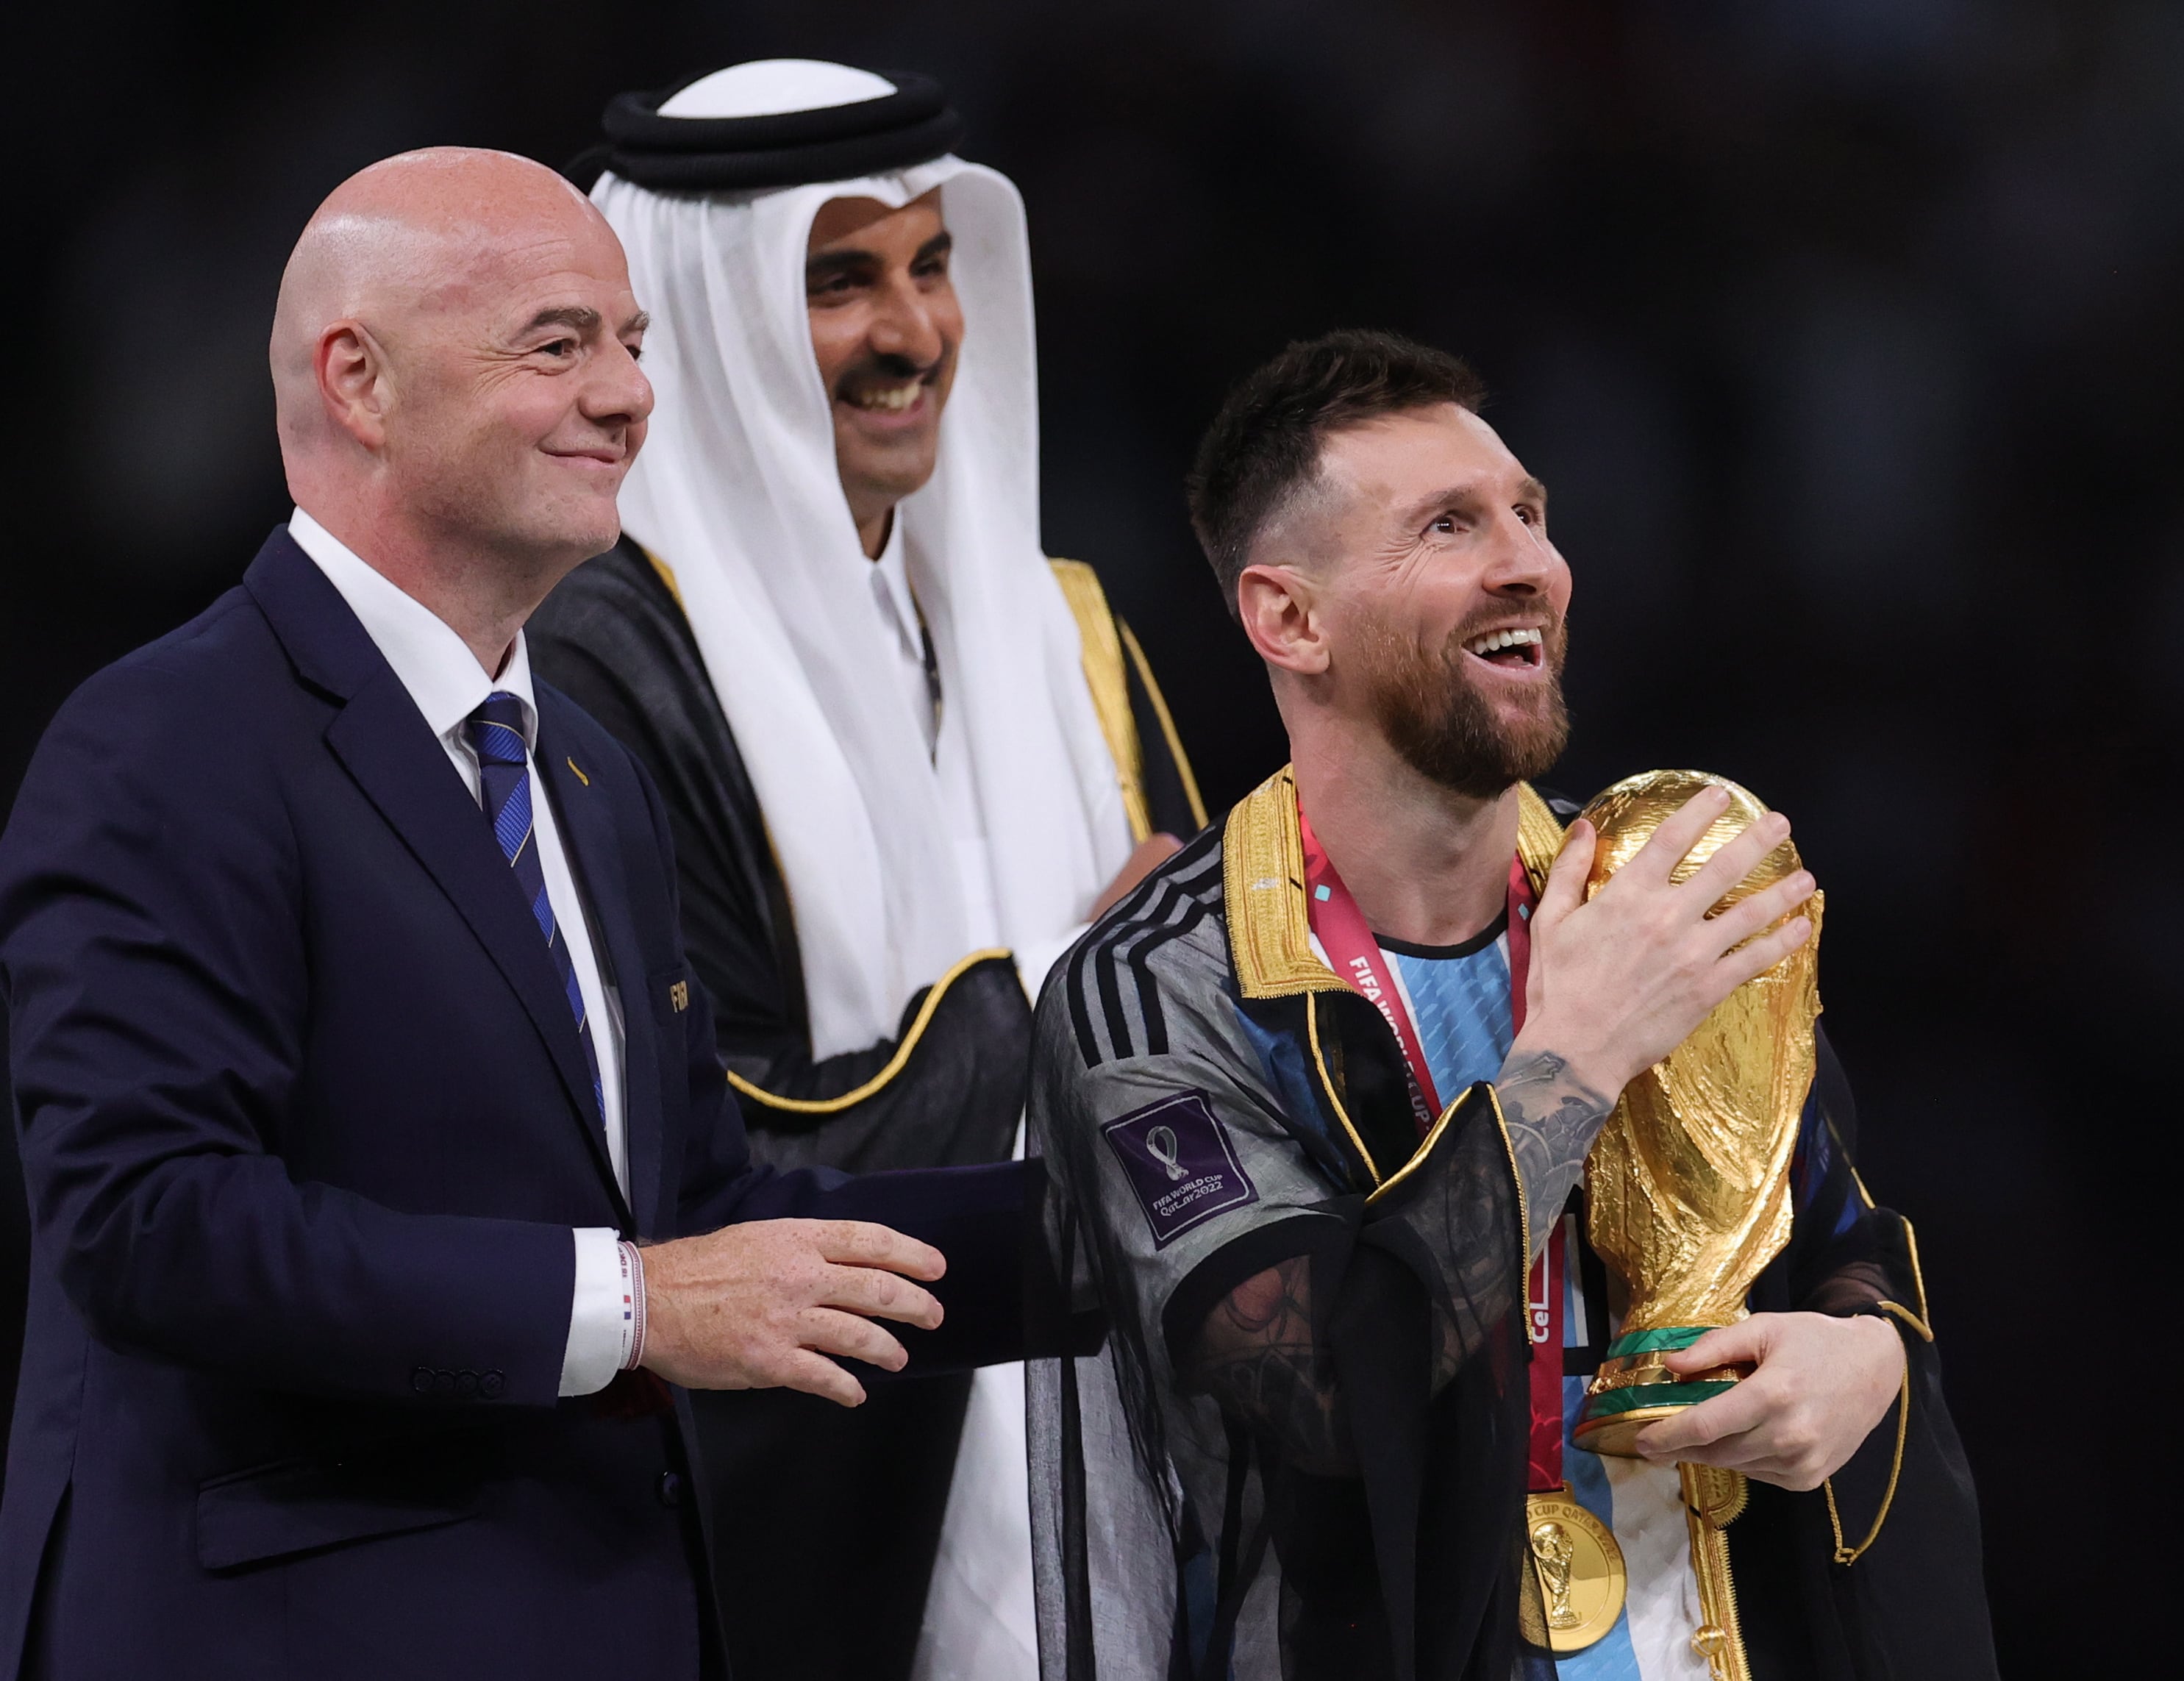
x=1820 y=1387
x=762 y=1305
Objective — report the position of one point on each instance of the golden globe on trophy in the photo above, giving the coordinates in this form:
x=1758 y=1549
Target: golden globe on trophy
x=1687 y=1187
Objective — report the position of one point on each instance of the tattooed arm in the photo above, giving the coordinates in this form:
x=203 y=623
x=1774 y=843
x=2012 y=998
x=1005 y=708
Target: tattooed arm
x=1258 y=1358
x=1619 y=978
x=1553 y=1117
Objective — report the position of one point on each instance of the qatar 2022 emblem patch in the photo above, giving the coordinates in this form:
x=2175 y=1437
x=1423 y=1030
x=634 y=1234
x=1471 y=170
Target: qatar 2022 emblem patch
x=1180 y=1163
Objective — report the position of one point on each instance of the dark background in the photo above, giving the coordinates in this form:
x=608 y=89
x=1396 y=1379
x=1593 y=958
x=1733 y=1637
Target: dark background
x=1846 y=332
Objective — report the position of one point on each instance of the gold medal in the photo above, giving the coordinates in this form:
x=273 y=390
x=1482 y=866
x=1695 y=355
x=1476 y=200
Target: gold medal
x=1580 y=1568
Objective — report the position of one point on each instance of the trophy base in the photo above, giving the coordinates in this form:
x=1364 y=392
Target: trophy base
x=1616 y=1434
x=1635 y=1389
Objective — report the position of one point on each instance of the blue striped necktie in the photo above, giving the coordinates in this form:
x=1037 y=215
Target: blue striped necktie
x=496 y=732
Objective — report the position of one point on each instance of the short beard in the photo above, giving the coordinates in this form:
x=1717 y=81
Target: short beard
x=1446 y=730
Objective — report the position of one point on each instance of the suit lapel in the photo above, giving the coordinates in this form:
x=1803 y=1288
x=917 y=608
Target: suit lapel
x=385 y=746
x=585 y=821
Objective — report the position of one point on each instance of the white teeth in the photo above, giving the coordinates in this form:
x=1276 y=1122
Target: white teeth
x=893 y=398
x=1499 y=639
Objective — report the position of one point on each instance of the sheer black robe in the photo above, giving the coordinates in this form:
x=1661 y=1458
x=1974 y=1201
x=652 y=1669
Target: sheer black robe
x=816 y=1507
x=1356 y=1512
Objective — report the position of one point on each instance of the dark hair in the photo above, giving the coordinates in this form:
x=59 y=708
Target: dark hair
x=1264 y=447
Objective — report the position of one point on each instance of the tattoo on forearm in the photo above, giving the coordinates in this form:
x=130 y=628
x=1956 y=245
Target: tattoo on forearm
x=1258 y=1358
x=1553 y=1118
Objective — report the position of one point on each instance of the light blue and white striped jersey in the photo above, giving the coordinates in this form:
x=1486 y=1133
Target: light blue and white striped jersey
x=1458 y=998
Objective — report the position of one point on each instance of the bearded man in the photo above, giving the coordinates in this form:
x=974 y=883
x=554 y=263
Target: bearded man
x=904 y=756
x=1306 y=1449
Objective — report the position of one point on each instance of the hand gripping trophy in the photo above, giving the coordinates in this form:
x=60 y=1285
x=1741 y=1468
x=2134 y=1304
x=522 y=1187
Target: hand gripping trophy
x=1687 y=1187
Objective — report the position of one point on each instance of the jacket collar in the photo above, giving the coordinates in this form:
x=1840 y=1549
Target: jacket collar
x=1263 y=890
x=383 y=741
x=1270 y=943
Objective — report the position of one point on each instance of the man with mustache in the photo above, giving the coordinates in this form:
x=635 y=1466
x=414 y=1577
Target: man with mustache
x=1306 y=1447
x=906 y=759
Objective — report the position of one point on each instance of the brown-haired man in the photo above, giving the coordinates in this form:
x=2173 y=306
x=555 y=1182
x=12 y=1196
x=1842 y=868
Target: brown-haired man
x=1305 y=1450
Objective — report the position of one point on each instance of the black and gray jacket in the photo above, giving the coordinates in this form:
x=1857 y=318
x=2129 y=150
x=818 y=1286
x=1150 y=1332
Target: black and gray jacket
x=1216 y=1106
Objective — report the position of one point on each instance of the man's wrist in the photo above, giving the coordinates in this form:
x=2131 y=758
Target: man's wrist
x=600 y=1309
x=633 y=1290
x=1898 y=1333
x=1574 y=1059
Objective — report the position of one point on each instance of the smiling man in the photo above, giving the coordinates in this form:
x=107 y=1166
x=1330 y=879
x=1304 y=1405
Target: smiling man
x=1317 y=1098
x=381 y=1174
x=906 y=757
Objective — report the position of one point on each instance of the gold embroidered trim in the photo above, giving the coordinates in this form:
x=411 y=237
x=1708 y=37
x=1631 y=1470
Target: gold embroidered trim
x=1904 y=1315
x=1262 y=885
x=1333 y=1097
x=1539 y=836
x=1167 y=723
x=1845 y=1556
x=1270 y=927
x=1918 y=1281
x=1433 y=1137
x=1105 y=676
x=1270 y=935
x=895 y=1065
x=666 y=576
x=1719 y=1637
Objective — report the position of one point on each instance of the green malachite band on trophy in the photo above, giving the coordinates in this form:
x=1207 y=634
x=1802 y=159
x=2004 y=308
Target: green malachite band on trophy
x=1614 y=1401
x=1668 y=1338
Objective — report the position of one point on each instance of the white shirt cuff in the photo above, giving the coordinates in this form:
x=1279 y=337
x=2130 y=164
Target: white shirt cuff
x=601 y=1313
x=1035 y=957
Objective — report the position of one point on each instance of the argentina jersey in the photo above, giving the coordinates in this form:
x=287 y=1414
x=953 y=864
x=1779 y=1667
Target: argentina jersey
x=1459 y=1002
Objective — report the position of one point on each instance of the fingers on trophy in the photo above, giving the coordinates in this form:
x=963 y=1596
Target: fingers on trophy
x=1687 y=1187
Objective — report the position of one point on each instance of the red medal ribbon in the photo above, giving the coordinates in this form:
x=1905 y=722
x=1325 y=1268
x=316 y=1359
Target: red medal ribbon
x=1543 y=1289
x=1355 y=955
x=1543 y=1324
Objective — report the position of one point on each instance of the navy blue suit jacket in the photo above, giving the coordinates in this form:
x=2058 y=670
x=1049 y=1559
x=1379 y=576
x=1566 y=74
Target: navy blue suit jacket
x=305 y=1123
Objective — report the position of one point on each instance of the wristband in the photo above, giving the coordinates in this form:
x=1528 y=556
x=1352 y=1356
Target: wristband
x=632 y=1307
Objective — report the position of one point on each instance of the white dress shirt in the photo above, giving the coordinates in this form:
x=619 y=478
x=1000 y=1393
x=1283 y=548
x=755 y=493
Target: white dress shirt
x=444 y=679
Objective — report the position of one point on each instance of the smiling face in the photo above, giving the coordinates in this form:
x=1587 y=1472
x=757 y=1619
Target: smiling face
x=455 y=365
x=1436 y=601
x=518 y=404
x=886 y=328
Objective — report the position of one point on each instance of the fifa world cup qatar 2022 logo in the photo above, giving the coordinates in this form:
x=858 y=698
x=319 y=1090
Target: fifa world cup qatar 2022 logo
x=1180 y=1163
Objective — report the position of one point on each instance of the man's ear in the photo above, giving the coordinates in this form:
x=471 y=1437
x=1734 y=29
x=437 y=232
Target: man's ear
x=1279 y=608
x=351 y=367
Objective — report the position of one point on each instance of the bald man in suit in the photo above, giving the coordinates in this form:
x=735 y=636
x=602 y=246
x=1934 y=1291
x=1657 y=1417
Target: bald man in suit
x=386 y=1190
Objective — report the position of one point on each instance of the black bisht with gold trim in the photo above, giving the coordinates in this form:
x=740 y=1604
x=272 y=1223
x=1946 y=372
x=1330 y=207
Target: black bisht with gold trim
x=865 y=1490
x=1217 y=1110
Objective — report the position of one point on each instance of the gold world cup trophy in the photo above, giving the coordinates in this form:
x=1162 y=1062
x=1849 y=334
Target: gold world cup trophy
x=1687 y=1187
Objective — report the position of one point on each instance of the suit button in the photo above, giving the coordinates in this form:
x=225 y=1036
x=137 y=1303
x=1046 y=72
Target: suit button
x=671 y=1489
x=466 y=1383
x=491 y=1385
x=422 y=1380
x=443 y=1382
